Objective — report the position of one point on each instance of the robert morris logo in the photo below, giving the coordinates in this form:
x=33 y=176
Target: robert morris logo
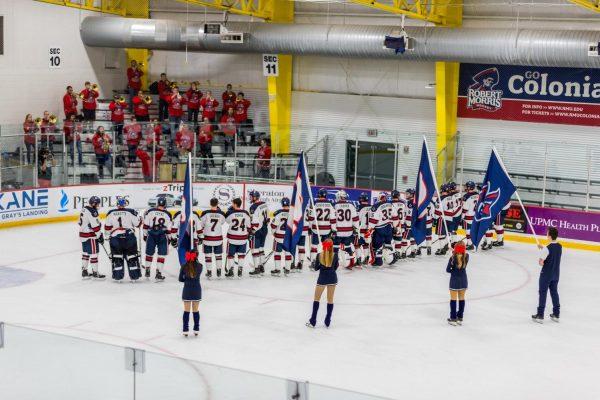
x=481 y=94
x=225 y=194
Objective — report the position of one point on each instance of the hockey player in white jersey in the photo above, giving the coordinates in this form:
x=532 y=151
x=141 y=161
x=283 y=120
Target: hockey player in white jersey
x=364 y=240
x=120 y=226
x=499 y=226
x=259 y=214
x=469 y=201
x=346 y=227
x=398 y=222
x=237 y=237
x=90 y=236
x=322 y=220
x=211 y=235
x=301 y=246
x=278 y=226
x=157 y=233
x=195 y=228
x=408 y=241
x=457 y=203
x=443 y=212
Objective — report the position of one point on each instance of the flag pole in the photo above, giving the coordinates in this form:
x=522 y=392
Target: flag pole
x=518 y=197
x=312 y=201
x=190 y=182
x=438 y=192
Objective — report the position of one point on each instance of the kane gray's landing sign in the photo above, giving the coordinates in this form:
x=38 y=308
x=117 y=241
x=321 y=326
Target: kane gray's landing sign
x=530 y=94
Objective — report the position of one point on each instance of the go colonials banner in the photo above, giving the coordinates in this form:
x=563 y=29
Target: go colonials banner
x=530 y=94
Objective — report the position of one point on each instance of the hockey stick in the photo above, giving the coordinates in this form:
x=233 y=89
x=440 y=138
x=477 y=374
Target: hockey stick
x=109 y=255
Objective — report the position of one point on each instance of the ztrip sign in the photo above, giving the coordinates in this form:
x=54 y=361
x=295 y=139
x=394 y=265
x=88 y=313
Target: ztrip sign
x=530 y=94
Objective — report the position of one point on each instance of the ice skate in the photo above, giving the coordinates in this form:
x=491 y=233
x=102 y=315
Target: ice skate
x=459 y=321
x=209 y=274
x=97 y=275
x=554 y=318
x=452 y=322
x=429 y=251
x=85 y=274
x=498 y=243
x=218 y=272
x=310 y=324
x=299 y=267
x=286 y=271
x=240 y=272
x=229 y=273
x=159 y=277
x=275 y=272
x=537 y=318
x=255 y=273
x=470 y=247
x=147 y=273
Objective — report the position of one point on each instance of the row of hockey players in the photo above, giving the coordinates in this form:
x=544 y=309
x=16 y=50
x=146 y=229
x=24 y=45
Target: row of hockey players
x=364 y=234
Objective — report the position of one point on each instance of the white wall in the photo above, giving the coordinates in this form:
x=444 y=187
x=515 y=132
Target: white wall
x=28 y=84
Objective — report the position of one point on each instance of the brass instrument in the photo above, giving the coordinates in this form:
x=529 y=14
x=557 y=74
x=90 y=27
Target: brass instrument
x=121 y=99
x=174 y=85
x=38 y=121
x=141 y=64
x=81 y=96
x=147 y=99
x=95 y=87
x=52 y=119
x=105 y=145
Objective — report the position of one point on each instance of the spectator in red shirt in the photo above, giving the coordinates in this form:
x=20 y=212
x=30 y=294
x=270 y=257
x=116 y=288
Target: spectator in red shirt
x=47 y=129
x=153 y=132
x=133 y=135
x=102 y=143
x=134 y=82
x=241 y=109
x=70 y=102
x=193 y=96
x=149 y=169
x=29 y=130
x=72 y=129
x=229 y=128
x=117 y=116
x=176 y=102
x=205 y=141
x=184 y=140
x=228 y=98
x=140 y=107
x=263 y=160
x=89 y=96
x=209 y=107
x=164 y=91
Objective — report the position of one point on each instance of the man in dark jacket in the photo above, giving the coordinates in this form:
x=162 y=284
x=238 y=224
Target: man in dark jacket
x=549 y=276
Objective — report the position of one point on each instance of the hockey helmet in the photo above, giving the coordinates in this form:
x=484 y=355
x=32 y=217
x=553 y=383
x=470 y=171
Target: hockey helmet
x=341 y=195
x=121 y=202
x=364 y=197
x=451 y=185
x=162 y=202
x=94 y=201
x=322 y=193
x=383 y=196
x=410 y=192
x=470 y=185
x=254 y=195
x=444 y=187
x=395 y=194
x=285 y=202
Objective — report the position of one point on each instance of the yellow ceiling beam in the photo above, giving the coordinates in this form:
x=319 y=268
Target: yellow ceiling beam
x=439 y=12
x=263 y=9
x=106 y=6
x=593 y=5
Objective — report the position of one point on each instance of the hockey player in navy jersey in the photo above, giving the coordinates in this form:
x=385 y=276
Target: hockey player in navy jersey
x=380 y=224
x=121 y=224
x=157 y=233
x=364 y=240
x=90 y=236
x=259 y=214
x=469 y=201
x=237 y=237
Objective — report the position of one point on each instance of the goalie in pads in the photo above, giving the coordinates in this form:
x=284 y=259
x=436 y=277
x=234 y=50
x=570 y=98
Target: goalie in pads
x=120 y=227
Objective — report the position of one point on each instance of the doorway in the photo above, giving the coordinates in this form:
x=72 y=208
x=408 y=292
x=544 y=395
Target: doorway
x=373 y=167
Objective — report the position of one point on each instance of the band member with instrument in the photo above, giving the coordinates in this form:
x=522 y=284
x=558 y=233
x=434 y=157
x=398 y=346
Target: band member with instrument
x=193 y=96
x=102 y=142
x=133 y=136
x=117 y=115
x=229 y=129
x=209 y=107
x=164 y=91
x=153 y=132
x=134 y=81
x=72 y=129
x=47 y=129
x=141 y=106
x=228 y=98
x=89 y=96
x=176 y=102
x=70 y=102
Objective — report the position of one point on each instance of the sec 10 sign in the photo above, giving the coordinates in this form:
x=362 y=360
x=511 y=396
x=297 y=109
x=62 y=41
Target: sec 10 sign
x=55 y=57
x=270 y=65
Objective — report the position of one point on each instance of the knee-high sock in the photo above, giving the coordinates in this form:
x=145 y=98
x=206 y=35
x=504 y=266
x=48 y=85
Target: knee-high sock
x=277 y=260
x=288 y=261
x=148 y=262
x=329 y=312
x=219 y=261
x=208 y=260
x=500 y=232
x=461 y=308
x=196 y=315
x=256 y=258
x=315 y=310
x=85 y=260
x=94 y=262
x=160 y=263
x=186 y=321
x=452 y=309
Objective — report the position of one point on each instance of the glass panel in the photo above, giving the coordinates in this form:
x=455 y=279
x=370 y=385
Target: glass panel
x=41 y=365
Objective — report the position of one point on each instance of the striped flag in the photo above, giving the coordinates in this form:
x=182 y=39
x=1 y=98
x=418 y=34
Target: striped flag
x=185 y=242
x=300 y=199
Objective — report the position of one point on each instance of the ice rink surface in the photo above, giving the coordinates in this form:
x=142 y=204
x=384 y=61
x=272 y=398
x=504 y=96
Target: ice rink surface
x=389 y=335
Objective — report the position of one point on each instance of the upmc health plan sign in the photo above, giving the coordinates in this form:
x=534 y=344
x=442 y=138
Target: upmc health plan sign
x=530 y=94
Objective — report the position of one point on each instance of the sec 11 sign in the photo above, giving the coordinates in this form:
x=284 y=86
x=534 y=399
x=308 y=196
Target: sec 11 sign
x=270 y=65
x=55 y=57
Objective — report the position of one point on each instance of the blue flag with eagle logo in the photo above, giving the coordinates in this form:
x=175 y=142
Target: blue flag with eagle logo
x=495 y=193
x=424 y=192
x=298 y=205
x=184 y=241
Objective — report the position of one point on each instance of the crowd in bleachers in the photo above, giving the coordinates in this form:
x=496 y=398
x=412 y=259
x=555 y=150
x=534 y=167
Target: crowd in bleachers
x=187 y=121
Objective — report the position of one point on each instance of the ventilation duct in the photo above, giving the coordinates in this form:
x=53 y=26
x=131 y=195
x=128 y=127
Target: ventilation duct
x=486 y=46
